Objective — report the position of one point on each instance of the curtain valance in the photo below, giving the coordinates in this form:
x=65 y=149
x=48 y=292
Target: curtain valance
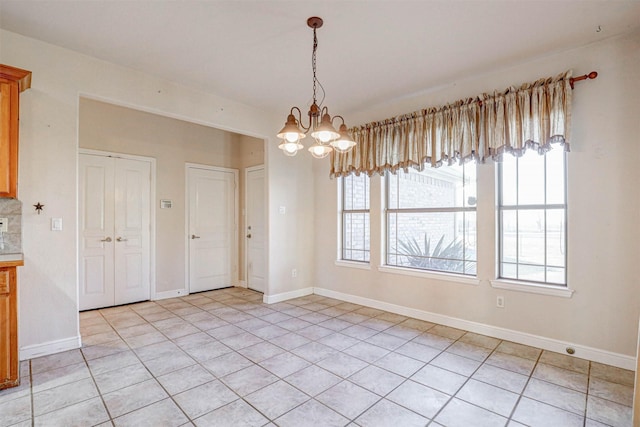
x=535 y=115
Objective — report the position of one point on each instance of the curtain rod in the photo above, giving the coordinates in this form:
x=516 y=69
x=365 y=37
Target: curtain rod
x=410 y=116
x=591 y=75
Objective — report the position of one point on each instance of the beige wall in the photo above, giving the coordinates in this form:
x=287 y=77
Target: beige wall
x=603 y=216
x=172 y=143
x=250 y=155
x=604 y=204
x=49 y=114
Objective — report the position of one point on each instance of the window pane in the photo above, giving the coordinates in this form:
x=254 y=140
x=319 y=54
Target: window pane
x=509 y=187
x=355 y=223
x=509 y=271
x=470 y=268
x=555 y=237
x=470 y=250
x=531 y=227
x=509 y=236
x=347 y=193
x=555 y=176
x=531 y=178
x=470 y=192
x=556 y=275
x=392 y=190
x=532 y=273
x=431 y=188
x=355 y=192
x=432 y=241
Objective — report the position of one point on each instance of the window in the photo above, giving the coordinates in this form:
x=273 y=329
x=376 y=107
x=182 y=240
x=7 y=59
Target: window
x=431 y=219
x=355 y=218
x=532 y=217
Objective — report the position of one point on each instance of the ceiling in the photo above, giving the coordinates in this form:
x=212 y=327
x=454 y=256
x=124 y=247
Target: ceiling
x=259 y=52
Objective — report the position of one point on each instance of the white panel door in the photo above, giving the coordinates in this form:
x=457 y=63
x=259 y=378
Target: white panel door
x=255 y=233
x=96 y=202
x=132 y=242
x=114 y=224
x=212 y=228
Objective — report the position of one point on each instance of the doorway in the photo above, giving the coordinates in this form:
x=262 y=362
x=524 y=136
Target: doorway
x=255 y=228
x=115 y=229
x=212 y=206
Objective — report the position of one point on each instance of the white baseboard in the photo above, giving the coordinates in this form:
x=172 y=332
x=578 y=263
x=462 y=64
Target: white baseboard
x=241 y=284
x=271 y=299
x=170 y=294
x=583 y=352
x=50 y=347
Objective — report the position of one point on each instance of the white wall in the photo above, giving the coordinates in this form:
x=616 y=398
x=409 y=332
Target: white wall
x=603 y=215
x=48 y=316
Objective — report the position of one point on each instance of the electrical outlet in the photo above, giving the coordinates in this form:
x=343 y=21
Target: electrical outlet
x=500 y=301
x=4 y=225
x=294 y=273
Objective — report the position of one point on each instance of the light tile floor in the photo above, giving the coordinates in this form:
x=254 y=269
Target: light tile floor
x=223 y=358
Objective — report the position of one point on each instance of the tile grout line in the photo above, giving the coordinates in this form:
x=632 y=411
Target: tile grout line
x=95 y=383
x=524 y=389
x=369 y=364
x=33 y=414
x=433 y=419
x=170 y=396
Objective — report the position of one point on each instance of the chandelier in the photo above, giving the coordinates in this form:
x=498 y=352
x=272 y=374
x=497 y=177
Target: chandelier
x=320 y=124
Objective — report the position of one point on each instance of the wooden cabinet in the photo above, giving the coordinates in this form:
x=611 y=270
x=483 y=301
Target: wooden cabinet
x=9 y=361
x=12 y=82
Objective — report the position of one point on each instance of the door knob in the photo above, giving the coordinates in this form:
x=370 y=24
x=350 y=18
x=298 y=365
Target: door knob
x=248 y=236
x=193 y=236
x=120 y=239
x=107 y=239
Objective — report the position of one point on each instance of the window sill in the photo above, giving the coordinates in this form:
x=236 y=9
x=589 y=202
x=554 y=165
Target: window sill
x=353 y=264
x=448 y=277
x=534 y=288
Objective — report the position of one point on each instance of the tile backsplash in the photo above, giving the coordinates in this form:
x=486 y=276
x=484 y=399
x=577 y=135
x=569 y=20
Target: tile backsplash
x=11 y=241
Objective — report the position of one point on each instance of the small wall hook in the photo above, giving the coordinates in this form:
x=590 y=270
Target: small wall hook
x=39 y=207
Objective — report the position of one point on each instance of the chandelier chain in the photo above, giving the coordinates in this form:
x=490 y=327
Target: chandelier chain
x=313 y=63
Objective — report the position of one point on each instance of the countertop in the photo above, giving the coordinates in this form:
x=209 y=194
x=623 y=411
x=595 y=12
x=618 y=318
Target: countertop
x=11 y=260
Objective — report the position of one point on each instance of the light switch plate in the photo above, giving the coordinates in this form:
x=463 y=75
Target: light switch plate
x=56 y=224
x=4 y=225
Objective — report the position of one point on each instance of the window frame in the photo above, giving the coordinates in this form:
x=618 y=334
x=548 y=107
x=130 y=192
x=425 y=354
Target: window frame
x=518 y=283
x=342 y=212
x=415 y=271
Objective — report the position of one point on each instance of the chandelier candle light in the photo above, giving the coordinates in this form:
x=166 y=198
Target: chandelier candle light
x=320 y=122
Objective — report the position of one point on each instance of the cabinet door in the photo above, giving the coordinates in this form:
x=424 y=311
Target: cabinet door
x=8 y=138
x=8 y=328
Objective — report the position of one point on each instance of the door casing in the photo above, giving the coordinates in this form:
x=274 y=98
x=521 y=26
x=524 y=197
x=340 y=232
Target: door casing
x=264 y=231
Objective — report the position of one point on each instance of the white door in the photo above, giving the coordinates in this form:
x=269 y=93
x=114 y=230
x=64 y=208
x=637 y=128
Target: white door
x=211 y=227
x=114 y=203
x=255 y=232
x=96 y=201
x=132 y=239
